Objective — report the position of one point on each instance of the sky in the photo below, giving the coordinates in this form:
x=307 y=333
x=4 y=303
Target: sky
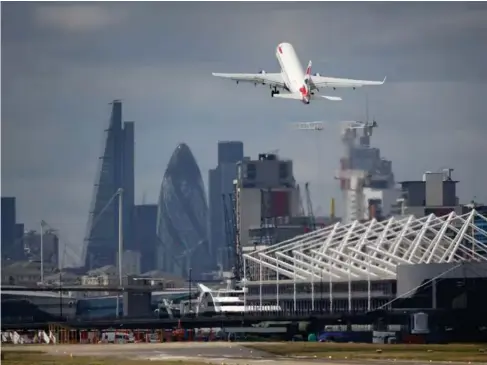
x=63 y=63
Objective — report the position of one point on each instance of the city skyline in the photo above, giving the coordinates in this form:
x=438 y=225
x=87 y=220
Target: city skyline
x=63 y=64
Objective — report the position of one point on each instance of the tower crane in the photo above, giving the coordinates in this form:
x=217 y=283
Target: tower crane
x=300 y=202
x=311 y=217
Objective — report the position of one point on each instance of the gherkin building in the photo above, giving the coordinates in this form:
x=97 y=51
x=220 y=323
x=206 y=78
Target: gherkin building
x=182 y=218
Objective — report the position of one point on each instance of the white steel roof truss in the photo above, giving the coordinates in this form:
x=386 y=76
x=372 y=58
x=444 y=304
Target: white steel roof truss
x=449 y=253
x=329 y=238
x=314 y=268
x=392 y=260
x=296 y=241
x=376 y=248
x=337 y=262
x=301 y=265
x=372 y=268
x=470 y=237
x=292 y=267
x=415 y=245
x=327 y=266
x=268 y=265
x=379 y=262
x=384 y=232
x=434 y=244
x=365 y=239
x=402 y=236
x=287 y=273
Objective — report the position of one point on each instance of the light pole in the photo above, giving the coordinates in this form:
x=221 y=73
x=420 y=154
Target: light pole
x=190 y=272
x=42 y=252
x=60 y=296
x=120 y=245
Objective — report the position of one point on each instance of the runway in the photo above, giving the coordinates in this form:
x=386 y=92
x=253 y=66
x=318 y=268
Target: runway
x=205 y=352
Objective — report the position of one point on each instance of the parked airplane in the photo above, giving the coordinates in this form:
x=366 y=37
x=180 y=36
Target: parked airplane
x=298 y=84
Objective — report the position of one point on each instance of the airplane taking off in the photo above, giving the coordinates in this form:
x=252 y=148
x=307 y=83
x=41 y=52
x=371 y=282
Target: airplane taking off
x=298 y=84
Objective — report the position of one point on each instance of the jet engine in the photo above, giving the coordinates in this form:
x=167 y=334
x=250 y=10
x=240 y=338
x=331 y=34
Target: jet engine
x=262 y=72
x=317 y=74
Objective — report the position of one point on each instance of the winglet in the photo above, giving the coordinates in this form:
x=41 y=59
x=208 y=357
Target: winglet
x=385 y=77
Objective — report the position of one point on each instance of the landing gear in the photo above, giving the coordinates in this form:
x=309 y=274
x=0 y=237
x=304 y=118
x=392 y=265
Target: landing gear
x=274 y=92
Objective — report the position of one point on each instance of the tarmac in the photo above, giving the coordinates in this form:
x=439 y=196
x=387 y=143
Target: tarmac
x=221 y=353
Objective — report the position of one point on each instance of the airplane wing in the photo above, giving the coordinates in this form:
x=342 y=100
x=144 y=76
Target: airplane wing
x=272 y=79
x=320 y=81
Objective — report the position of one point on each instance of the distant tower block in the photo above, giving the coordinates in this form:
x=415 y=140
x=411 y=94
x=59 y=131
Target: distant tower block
x=353 y=182
x=360 y=158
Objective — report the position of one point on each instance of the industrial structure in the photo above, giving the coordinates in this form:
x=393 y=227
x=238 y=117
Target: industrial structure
x=220 y=183
x=434 y=193
x=357 y=262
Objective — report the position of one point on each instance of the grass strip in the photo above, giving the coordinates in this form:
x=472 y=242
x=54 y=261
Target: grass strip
x=353 y=351
x=19 y=357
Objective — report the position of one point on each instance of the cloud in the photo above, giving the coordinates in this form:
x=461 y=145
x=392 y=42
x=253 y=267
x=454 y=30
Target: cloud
x=79 y=18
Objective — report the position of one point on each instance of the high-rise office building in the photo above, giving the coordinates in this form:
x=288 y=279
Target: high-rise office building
x=145 y=235
x=266 y=196
x=12 y=232
x=116 y=171
x=8 y=223
x=182 y=217
x=220 y=181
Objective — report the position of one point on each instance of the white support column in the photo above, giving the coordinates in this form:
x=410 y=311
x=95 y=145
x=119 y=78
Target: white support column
x=260 y=286
x=277 y=284
x=246 y=287
x=433 y=294
x=42 y=252
x=368 y=282
x=349 y=290
x=330 y=287
x=312 y=292
x=294 y=284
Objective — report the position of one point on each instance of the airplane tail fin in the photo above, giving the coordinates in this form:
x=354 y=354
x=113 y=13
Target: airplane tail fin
x=308 y=69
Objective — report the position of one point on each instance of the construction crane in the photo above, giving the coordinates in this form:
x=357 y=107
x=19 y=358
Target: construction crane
x=311 y=217
x=233 y=244
x=352 y=184
x=300 y=202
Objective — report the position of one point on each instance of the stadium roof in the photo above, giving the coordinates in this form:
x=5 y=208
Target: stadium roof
x=372 y=250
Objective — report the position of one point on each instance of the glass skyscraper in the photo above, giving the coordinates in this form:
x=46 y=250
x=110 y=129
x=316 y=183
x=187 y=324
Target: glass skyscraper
x=182 y=217
x=116 y=170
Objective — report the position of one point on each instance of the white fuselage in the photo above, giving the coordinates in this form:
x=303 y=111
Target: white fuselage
x=292 y=71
